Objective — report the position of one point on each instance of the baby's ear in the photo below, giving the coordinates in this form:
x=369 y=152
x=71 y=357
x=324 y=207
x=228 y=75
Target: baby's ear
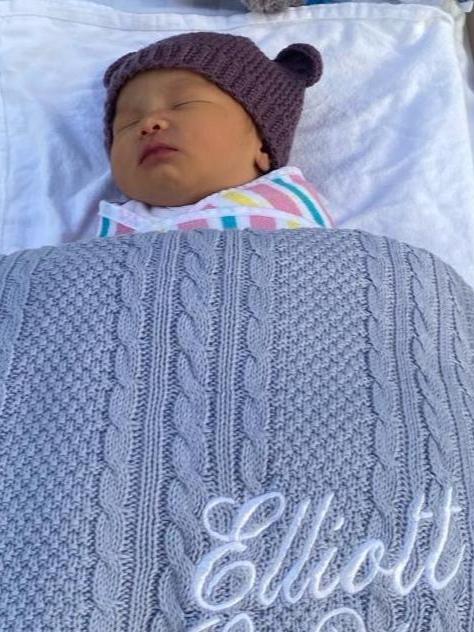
x=271 y=6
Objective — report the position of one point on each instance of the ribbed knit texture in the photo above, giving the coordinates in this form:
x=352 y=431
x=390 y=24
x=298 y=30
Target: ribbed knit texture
x=276 y=406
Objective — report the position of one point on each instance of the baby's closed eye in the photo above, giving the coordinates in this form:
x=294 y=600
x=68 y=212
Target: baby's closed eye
x=176 y=105
x=189 y=102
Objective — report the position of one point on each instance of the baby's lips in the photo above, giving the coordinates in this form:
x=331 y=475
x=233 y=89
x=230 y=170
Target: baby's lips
x=151 y=146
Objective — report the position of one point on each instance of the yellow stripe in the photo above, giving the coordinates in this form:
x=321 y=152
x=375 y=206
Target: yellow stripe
x=241 y=198
x=293 y=223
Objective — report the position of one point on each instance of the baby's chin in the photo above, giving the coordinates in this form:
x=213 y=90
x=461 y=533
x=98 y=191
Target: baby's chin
x=159 y=191
x=170 y=200
x=170 y=187
x=174 y=194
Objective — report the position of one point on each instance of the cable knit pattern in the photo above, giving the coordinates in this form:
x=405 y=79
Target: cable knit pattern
x=236 y=431
x=254 y=456
x=185 y=496
x=427 y=345
x=388 y=483
x=112 y=528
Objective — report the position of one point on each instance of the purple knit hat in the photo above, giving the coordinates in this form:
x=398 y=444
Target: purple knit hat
x=272 y=92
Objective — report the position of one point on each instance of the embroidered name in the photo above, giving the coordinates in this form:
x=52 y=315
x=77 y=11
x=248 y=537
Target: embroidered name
x=372 y=550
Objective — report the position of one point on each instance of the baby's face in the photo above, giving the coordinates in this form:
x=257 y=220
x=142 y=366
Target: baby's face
x=218 y=145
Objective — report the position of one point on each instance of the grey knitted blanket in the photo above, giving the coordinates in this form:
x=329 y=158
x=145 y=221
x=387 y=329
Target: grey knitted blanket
x=236 y=431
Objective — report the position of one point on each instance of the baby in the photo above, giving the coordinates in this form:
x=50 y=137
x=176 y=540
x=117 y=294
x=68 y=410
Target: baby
x=198 y=128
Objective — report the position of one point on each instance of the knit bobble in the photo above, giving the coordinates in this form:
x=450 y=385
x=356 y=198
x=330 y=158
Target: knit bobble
x=303 y=60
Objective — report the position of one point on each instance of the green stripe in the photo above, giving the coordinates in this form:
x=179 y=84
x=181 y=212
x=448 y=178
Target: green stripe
x=105 y=227
x=229 y=222
x=304 y=198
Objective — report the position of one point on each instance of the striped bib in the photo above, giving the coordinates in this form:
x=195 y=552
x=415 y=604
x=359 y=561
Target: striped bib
x=282 y=198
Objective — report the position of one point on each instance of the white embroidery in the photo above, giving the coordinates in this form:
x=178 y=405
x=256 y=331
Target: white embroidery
x=201 y=627
x=337 y=612
x=236 y=620
x=330 y=615
x=349 y=611
x=415 y=514
x=372 y=550
x=433 y=557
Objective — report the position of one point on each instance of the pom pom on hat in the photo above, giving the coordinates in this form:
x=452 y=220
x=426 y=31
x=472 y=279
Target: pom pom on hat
x=302 y=60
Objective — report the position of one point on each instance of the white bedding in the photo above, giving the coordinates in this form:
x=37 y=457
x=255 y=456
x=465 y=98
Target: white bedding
x=384 y=135
x=205 y=7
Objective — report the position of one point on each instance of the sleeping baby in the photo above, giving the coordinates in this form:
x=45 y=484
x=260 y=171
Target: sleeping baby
x=199 y=127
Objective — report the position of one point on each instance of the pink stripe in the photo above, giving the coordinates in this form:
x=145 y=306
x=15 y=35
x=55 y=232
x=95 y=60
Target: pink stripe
x=194 y=223
x=123 y=230
x=197 y=223
x=311 y=189
x=261 y=222
x=277 y=198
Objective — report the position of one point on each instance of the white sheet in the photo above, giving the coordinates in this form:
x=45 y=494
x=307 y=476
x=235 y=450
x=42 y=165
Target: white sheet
x=384 y=135
x=206 y=7
x=466 y=62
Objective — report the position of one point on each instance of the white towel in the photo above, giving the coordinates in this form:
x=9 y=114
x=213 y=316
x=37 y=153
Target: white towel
x=384 y=135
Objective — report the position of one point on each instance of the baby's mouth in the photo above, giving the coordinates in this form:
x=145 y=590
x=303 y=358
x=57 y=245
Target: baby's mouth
x=158 y=155
x=157 y=147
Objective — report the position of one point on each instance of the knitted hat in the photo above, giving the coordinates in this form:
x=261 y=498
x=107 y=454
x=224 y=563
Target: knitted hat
x=272 y=92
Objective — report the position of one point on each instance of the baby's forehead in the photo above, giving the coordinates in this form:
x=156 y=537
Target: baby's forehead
x=180 y=74
x=170 y=78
